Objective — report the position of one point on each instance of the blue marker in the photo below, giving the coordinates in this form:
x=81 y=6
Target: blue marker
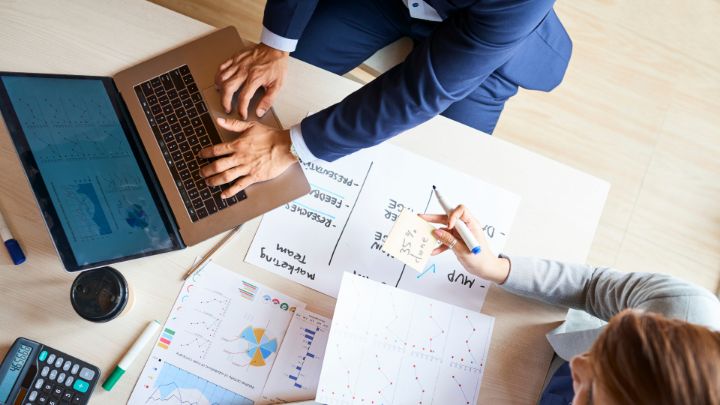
x=462 y=229
x=13 y=247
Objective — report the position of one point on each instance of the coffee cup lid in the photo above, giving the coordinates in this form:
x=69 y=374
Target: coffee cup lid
x=99 y=295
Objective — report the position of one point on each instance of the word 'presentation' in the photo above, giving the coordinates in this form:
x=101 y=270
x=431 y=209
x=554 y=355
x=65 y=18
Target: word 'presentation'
x=389 y=346
x=220 y=343
x=344 y=222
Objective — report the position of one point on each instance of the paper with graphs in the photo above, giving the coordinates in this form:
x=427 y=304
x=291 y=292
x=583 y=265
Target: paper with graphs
x=389 y=346
x=344 y=222
x=296 y=372
x=219 y=342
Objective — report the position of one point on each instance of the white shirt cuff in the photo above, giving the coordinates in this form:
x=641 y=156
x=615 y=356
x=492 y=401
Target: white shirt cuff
x=274 y=40
x=298 y=143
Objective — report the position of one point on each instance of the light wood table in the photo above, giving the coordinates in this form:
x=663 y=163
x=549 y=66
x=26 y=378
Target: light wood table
x=557 y=218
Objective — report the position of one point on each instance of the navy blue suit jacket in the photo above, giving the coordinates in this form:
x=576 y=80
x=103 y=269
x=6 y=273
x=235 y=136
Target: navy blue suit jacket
x=522 y=39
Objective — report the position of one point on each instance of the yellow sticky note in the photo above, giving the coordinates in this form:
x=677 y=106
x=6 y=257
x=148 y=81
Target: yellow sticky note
x=411 y=240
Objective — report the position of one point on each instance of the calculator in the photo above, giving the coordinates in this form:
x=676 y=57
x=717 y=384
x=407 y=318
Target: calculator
x=32 y=373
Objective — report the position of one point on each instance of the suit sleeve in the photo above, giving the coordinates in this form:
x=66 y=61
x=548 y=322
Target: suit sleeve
x=460 y=54
x=284 y=22
x=604 y=292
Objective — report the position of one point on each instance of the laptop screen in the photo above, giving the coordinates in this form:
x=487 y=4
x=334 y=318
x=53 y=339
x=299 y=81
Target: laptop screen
x=92 y=175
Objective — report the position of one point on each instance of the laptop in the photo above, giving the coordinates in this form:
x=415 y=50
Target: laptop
x=113 y=161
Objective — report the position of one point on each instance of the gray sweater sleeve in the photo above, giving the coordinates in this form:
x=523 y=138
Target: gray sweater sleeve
x=603 y=292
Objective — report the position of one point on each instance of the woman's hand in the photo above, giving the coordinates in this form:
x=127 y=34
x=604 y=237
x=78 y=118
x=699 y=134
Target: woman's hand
x=260 y=153
x=260 y=66
x=485 y=264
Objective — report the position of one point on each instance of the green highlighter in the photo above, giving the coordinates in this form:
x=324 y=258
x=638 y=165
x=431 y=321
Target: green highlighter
x=127 y=360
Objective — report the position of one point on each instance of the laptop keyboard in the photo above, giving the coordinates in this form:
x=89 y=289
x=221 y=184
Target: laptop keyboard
x=182 y=126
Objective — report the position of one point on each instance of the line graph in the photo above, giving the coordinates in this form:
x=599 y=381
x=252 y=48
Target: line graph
x=421 y=351
x=467 y=342
x=197 y=343
x=219 y=337
x=176 y=386
x=462 y=391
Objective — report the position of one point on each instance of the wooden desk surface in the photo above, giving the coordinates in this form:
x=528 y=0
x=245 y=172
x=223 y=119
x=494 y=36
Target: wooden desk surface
x=557 y=218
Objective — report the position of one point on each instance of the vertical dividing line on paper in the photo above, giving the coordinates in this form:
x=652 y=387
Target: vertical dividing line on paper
x=350 y=214
x=427 y=205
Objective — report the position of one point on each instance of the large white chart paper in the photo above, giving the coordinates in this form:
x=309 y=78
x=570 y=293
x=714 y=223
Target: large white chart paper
x=389 y=346
x=218 y=344
x=342 y=224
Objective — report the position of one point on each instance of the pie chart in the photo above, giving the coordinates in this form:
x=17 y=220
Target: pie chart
x=260 y=347
x=136 y=217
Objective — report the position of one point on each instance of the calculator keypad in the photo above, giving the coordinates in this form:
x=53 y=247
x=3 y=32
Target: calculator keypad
x=61 y=381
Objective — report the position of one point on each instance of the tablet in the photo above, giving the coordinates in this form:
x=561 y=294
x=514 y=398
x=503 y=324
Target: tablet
x=86 y=167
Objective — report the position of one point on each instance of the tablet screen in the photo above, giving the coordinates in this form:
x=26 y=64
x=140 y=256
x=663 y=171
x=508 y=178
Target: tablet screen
x=92 y=176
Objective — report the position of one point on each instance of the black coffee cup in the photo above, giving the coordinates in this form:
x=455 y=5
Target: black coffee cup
x=100 y=295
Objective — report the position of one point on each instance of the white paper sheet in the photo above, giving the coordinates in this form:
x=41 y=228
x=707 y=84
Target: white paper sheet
x=296 y=372
x=342 y=224
x=218 y=343
x=389 y=346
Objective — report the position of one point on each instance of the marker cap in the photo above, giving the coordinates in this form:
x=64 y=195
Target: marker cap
x=16 y=253
x=113 y=378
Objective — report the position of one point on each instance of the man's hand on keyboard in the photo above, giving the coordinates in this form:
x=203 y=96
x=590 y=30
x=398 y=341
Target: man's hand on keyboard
x=260 y=66
x=260 y=153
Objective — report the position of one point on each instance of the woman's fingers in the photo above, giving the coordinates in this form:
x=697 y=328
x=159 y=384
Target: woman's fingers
x=446 y=238
x=438 y=250
x=460 y=213
x=435 y=218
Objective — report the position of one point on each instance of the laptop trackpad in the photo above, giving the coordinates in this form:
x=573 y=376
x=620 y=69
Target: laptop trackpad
x=212 y=99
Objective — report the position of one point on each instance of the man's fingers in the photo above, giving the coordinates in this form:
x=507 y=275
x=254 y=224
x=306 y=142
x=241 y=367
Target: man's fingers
x=224 y=75
x=231 y=124
x=267 y=100
x=220 y=149
x=246 y=94
x=219 y=166
x=228 y=175
x=435 y=218
x=239 y=185
x=226 y=64
x=227 y=90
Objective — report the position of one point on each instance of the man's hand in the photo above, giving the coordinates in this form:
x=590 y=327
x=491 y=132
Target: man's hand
x=260 y=153
x=260 y=66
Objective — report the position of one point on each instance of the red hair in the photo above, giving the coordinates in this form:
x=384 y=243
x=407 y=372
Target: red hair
x=645 y=358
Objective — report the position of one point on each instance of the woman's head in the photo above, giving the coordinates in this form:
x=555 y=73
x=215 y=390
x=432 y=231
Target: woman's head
x=645 y=358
